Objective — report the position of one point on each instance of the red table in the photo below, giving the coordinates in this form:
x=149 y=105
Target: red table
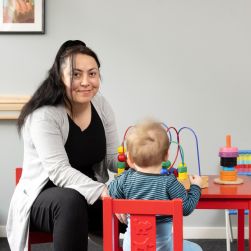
x=229 y=197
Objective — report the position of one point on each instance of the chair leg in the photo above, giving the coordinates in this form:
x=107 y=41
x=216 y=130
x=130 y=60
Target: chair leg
x=231 y=229
x=227 y=227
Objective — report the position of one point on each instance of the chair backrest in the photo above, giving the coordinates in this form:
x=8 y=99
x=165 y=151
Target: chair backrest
x=143 y=222
x=34 y=237
x=18 y=174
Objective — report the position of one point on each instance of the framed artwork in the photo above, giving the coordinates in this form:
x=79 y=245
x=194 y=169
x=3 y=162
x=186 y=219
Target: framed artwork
x=22 y=16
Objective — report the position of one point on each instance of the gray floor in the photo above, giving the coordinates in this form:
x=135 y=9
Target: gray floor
x=207 y=245
x=47 y=247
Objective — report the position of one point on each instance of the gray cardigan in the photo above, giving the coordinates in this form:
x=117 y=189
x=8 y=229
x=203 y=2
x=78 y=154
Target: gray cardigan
x=44 y=134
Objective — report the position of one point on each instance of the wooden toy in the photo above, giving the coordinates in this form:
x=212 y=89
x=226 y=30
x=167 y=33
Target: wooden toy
x=228 y=172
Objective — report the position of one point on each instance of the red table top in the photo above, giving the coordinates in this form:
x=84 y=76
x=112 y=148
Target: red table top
x=215 y=190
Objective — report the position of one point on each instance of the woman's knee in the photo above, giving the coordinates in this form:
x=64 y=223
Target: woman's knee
x=72 y=204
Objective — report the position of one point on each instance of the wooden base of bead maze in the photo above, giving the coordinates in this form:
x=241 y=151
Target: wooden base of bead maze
x=205 y=181
x=226 y=182
x=186 y=182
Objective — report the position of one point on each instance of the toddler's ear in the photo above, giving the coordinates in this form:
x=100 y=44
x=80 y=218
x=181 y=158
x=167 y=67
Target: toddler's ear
x=129 y=160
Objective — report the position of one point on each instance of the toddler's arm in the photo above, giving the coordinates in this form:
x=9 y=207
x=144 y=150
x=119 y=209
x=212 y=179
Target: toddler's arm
x=190 y=198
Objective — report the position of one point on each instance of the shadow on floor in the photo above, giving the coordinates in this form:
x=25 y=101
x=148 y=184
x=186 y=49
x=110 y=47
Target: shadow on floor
x=206 y=245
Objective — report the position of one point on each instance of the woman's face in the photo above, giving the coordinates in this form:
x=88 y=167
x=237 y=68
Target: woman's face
x=84 y=83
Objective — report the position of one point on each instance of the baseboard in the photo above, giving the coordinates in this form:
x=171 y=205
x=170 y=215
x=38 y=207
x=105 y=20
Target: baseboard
x=189 y=232
x=209 y=232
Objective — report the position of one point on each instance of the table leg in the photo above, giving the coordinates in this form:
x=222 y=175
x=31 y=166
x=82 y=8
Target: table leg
x=241 y=231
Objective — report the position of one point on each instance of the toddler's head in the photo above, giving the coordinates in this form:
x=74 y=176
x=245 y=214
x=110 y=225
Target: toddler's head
x=147 y=143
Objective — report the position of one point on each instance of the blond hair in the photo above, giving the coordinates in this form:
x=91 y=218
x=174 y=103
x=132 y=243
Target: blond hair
x=147 y=143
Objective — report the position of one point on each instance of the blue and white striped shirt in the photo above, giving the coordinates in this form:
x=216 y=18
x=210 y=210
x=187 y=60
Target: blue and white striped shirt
x=132 y=184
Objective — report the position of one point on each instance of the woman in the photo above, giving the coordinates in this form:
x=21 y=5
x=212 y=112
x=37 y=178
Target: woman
x=70 y=139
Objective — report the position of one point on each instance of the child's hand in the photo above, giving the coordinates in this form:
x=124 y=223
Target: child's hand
x=196 y=180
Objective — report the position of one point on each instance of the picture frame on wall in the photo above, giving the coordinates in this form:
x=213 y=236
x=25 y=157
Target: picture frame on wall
x=22 y=16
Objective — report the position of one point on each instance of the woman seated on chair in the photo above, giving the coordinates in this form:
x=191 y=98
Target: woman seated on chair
x=70 y=140
x=147 y=146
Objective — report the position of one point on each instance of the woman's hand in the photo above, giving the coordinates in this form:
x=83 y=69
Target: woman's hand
x=121 y=217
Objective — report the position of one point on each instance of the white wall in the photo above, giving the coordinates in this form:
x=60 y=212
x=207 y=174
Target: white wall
x=184 y=62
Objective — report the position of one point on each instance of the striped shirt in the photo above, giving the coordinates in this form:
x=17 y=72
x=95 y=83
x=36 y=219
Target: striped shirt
x=132 y=184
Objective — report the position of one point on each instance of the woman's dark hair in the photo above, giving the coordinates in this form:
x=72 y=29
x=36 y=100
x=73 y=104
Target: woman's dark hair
x=52 y=90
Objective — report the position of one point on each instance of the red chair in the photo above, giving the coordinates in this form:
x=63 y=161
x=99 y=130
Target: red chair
x=143 y=222
x=34 y=237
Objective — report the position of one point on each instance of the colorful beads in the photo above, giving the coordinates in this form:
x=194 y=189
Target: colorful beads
x=166 y=170
x=166 y=164
x=121 y=170
x=121 y=149
x=122 y=157
x=182 y=171
x=121 y=164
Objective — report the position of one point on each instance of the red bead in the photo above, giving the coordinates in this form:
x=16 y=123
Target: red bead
x=121 y=157
x=175 y=172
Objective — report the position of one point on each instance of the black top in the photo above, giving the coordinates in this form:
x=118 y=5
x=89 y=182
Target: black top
x=85 y=148
x=88 y=147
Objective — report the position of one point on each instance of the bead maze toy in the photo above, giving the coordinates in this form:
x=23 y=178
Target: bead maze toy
x=167 y=167
x=228 y=161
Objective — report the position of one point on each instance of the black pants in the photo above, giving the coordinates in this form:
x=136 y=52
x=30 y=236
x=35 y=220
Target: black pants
x=65 y=213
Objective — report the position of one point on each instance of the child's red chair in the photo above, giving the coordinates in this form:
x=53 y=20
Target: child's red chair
x=143 y=222
x=34 y=237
